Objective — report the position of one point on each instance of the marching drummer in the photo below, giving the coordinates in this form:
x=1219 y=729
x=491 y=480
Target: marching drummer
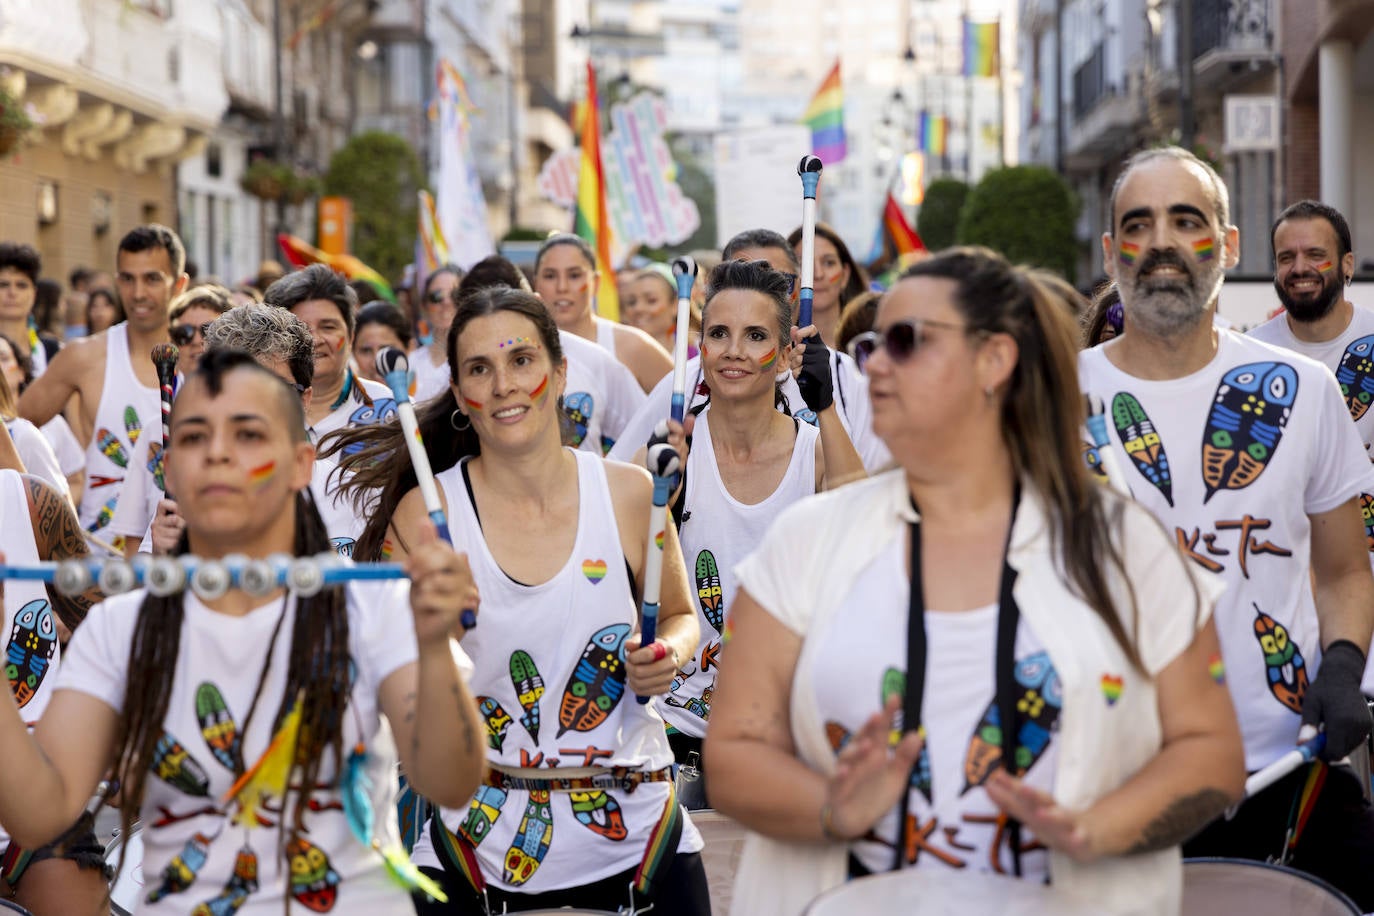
x=556 y=539
x=246 y=730
x=890 y=637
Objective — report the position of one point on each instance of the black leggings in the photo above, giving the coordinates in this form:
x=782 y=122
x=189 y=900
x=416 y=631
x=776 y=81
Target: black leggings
x=680 y=891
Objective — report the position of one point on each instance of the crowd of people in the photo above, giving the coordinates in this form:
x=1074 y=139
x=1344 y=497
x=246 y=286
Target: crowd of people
x=902 y=620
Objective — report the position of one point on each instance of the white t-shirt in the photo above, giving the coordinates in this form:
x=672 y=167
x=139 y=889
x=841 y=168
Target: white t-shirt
x=717 y=532
x=959 y=714
x=1233 y=459
x=354 y=411
x=217 y=671
x=37 y=454
x=851 y=400
x=71 y=457
x=430 y=380
x=601 y=395
x=1350 y=356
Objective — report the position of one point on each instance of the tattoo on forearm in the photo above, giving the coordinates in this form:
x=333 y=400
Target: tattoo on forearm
x=58 y=536
x=1180 y=820
x=469 y=739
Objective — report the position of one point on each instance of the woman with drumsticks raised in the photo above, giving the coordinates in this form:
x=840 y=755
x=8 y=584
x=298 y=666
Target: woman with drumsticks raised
x=986 y=582
x=245 y=728
x=556 y=538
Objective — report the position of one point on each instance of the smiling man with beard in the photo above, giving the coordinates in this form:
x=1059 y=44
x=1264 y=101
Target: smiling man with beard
x=1246 y=453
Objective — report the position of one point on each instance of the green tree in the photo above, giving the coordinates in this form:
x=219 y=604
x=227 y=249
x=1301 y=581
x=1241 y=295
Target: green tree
x=937 y=222
x=1027 y=212
x=380 y=173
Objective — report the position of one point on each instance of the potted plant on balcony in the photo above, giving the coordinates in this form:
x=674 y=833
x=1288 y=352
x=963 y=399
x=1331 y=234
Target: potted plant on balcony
x=267 y=180
x=15 y=122
x=301 y=187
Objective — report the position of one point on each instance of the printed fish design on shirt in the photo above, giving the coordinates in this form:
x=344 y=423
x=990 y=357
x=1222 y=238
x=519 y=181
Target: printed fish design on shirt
x=174 y=765
x=599 y=813
x=342 y=546
x=218 y=728
x=104 y=516
x=1249 y=411
x=1142 y=443
x=531 y=841
x=483 y=812
x=1355 y=373
x=497 y=719
x=1285 y=668
x=111 y=447
x=1367 y=516
x=529 y=689
x=181 y=872
x=32 y=646
x=242 y=882
x=597 y=683
x=132 y=424
x=313 y=882
x=382 y=409
x=1038 y=707
x=155 y=465
x=578 y=406
x=708 y=590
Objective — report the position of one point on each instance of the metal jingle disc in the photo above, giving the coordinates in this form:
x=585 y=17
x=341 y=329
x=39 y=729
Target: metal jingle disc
x=72 y=577
x=305 y=576
x=259 y=578
x=165 y=577
x=117 y=577
x=211 y=580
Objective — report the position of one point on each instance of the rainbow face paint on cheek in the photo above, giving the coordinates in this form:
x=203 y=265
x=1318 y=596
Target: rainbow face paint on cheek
x=540 y=392
x=769 y=358
x=1204 y=249
x=1128 y=254
x=1326 y=267
x=260 y=476
x=340 y=346
x=472 y=405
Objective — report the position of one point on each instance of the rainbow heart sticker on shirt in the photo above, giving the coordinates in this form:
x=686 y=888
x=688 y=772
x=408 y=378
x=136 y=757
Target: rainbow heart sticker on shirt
x=1217 y=668
x=658 y=540
x=594 y=570
x=1111 y=688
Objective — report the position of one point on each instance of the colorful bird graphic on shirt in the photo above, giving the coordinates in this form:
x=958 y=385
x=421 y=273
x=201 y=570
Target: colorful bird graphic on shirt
x=708 y=590
x=32 y=646
x=1284 y=665
x=529 y=689
x=218 y=728
x=597 y=682
x=1141 y=441
x=1249 y=412
x=531 y=841
x=1038 y=707
x=497 y=720
x=1355 y=373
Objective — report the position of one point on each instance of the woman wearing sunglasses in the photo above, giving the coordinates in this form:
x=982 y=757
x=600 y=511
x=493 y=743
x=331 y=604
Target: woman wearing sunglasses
x=892 y=628
x=189 y=315
x=437 y=307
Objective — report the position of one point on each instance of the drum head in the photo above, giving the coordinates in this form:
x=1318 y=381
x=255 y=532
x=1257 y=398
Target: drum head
x=127 y=887
x=9 y=906
x=1213 y=886
x=931 y=892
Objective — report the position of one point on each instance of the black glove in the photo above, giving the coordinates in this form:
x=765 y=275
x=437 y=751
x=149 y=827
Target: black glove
x=817 y=387
x=1333 y=699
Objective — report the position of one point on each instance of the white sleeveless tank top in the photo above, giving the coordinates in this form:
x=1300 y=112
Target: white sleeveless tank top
x=718 y=531
x=127 y=411
x=605 y=334
x=550 y=682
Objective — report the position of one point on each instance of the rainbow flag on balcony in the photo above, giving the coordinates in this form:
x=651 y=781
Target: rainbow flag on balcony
x=825 y=117
x=590 y=220
x=932 y=134
x=981 y=42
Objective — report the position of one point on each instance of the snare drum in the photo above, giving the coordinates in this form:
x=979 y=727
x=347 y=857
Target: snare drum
x=127 y=886
x=9 y=906
x=1212 y=886
x=934 y=892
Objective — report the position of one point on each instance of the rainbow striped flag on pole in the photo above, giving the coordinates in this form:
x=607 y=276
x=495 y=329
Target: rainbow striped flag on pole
x=932 y=132
x=981 y=48
x=825 y=117
x=590 y=221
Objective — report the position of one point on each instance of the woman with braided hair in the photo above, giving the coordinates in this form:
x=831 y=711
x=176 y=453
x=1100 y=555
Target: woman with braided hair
x=194 y=702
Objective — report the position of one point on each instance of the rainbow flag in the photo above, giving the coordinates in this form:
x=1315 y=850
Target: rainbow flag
x=590 y=220
x=825 y=117
x=932 y=131
x=300 y=253
x=904 y=239
x=432 y=242
x=981 y=44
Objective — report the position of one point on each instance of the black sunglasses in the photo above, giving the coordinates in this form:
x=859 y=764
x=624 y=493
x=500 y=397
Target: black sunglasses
x=900 y=340
x=436 y=296
x=183 y=333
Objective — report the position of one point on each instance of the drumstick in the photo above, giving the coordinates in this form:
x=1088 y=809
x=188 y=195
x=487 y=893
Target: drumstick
x=103 y=545
x=1303 y=753
x=810 y=171
x=1097 y=428
x=662 y=461
x=165 y=357
x=685 y=273
x=395 y=370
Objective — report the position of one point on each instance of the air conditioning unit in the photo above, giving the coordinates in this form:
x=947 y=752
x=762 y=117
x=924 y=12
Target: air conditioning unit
x=1252 y=124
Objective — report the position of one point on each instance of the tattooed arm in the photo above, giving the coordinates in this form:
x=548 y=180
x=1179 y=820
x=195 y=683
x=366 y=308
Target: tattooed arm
x=58 y=535
x=1198 y=771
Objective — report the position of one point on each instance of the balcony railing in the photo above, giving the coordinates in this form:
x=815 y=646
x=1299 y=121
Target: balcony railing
x=1089 y=83
x=1231 y=25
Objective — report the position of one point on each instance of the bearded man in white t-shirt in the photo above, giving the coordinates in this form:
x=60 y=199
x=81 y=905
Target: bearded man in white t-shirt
x=1247 y=453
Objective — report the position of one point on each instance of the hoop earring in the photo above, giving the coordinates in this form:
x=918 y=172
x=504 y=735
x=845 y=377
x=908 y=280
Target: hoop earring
x=453 y=421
